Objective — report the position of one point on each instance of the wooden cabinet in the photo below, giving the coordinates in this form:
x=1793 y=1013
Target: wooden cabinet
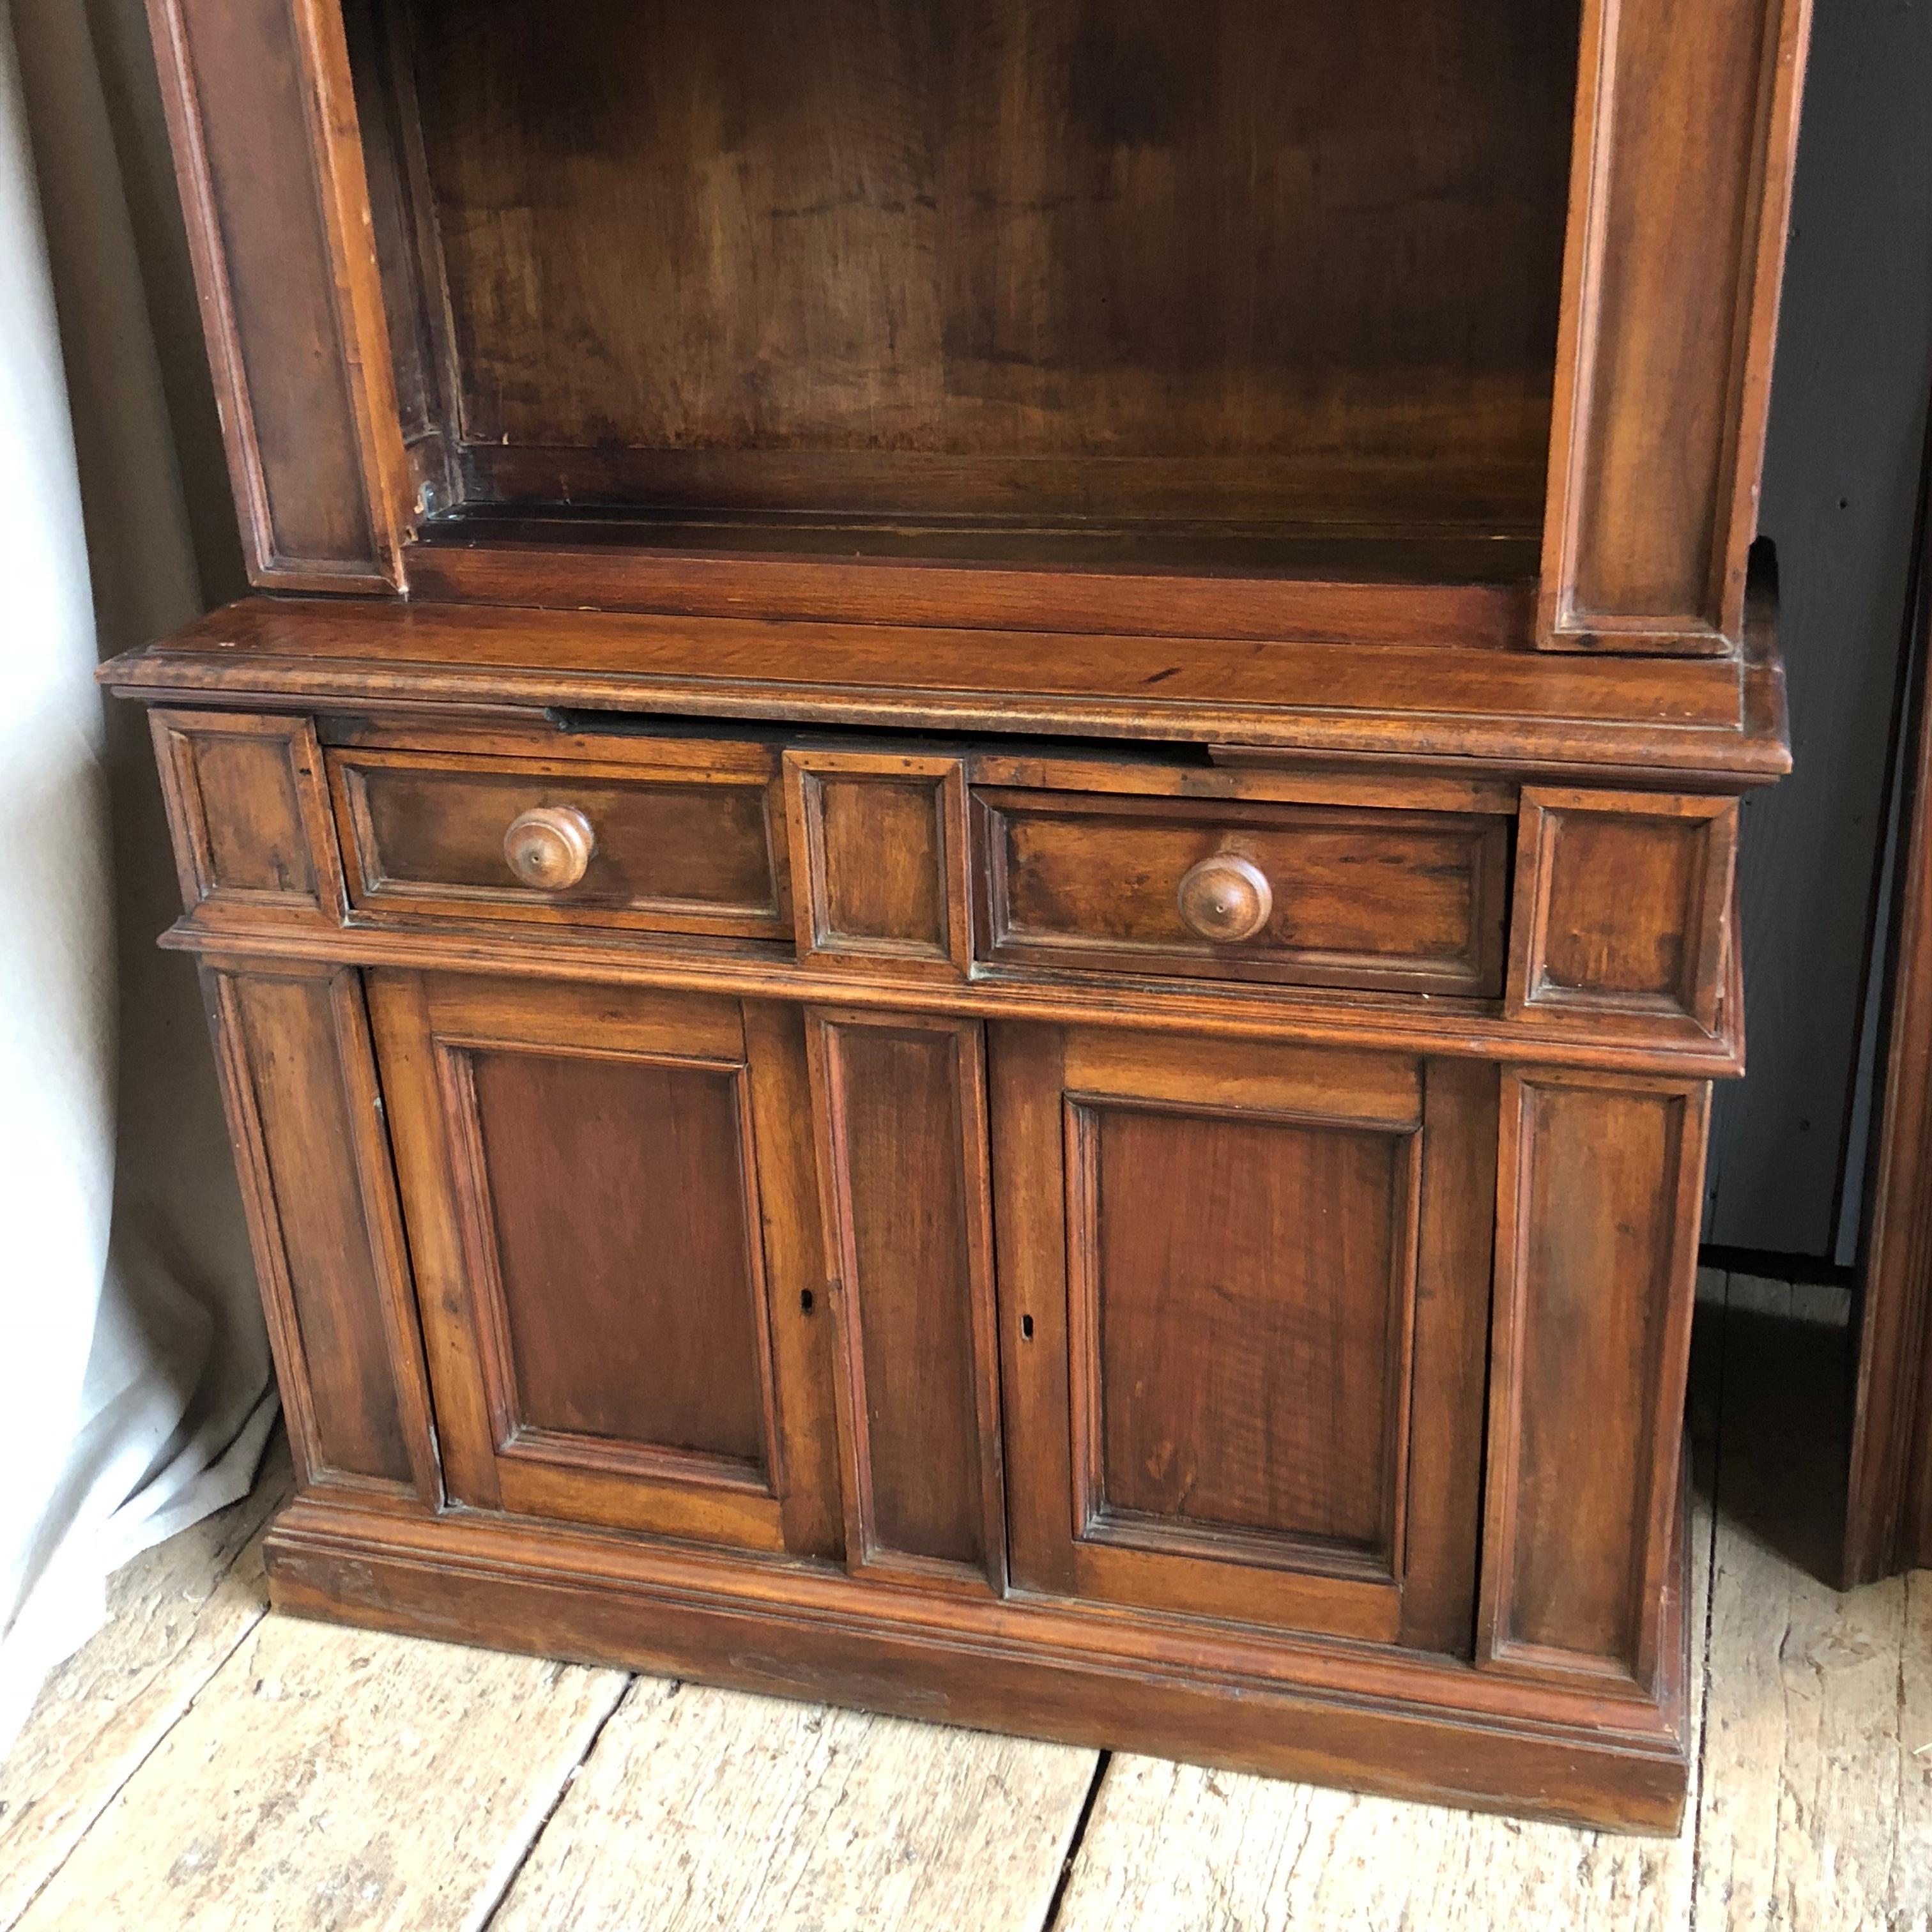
x=969 y=909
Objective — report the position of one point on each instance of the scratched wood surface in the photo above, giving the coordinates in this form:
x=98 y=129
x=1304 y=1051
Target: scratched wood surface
x=202 y=1763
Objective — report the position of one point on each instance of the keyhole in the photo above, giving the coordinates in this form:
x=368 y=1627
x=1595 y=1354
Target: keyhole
x=805 y=1300
x=1026 y=1328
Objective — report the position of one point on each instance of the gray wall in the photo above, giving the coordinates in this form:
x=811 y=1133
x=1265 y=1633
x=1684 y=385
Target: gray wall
x=1848 y=412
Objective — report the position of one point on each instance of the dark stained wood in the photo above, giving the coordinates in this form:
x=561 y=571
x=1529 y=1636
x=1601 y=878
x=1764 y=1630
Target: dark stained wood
x=1597 y=1226
x=250 y=817
x=1245 y=247
x=1226 y=898
x=1110 y=1218
x=878 y=853
x=1455 y=1253
x=1519 y=709
x=584 y=1190
x=1624 y=903
x=805 y=1339
x=1668 y=323
x=1210 y=1267
x=1235 y=772
x=293 y=1046
x=401 y=215
x=1078 y=1675
x=1344 y=587
x=1889 y=1499
x=902 y=1111
x=259 y=110
x=1241 y=1371
x=645 y=1329
x=1179 y=1008
x=1333 y=897
x=690 y=844
x=549 y=847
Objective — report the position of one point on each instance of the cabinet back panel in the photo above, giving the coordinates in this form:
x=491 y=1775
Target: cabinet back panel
x=1092 y=257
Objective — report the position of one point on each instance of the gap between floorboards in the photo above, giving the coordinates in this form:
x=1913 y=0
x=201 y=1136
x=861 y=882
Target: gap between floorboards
x=487 y=1916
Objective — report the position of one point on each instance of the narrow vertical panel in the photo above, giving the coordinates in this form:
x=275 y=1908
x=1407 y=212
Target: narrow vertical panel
x=902 y=1106
x=804 y=1338
x=1027 y=1074
x=1687 y=126
x=1596 y=1231
x=262 y=122
x=1456 y=1247
x=299 y=1083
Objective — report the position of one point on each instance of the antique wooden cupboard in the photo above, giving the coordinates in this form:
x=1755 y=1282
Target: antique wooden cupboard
x=967 y=887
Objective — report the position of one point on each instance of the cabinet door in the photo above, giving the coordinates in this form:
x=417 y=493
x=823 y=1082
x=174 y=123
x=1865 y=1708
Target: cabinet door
x=1244 y=1293
x=611 y=1203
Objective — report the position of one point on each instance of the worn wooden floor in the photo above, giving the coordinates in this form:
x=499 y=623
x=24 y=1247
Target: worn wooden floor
x=203 y=1765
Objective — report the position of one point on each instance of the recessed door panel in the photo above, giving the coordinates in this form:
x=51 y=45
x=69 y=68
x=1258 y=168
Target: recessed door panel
x=1242 y=1296
x=1236 y=1283
x=632 y=1317
x=613 y=1224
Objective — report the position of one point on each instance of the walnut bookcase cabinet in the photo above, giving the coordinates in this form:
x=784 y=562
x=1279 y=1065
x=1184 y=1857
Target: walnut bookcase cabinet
x=967 y=886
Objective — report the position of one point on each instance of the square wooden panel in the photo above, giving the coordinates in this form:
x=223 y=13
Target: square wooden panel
x=252 y=831
x=1622 y=902
x=878 y=861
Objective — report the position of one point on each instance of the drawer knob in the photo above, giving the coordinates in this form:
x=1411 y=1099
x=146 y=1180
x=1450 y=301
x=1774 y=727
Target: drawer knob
x=1227 y=897
x=549 y=847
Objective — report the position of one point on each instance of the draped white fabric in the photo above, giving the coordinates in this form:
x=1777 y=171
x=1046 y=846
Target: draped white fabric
x=135 y=1394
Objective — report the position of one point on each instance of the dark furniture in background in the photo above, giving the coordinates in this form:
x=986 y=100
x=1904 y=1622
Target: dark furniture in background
x=967 y=888
x=1889 y=1513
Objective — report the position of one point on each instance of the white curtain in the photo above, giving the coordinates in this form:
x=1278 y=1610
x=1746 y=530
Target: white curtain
x=135 y=1394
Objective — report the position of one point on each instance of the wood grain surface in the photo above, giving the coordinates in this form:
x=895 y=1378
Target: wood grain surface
x=692 y=1808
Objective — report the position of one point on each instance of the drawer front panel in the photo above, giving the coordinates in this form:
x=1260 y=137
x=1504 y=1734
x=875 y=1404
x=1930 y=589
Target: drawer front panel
x=686 y=850
x=1312 y=896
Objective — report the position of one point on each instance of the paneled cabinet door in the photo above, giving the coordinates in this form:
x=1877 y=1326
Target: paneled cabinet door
x=1244 y=1292
x=610 y=1202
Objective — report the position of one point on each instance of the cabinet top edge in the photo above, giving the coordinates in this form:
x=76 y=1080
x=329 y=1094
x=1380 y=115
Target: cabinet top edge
x=1721 y=719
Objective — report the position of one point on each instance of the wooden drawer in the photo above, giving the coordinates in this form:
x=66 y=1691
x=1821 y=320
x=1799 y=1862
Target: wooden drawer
x=683 y=838
x=1308 y=895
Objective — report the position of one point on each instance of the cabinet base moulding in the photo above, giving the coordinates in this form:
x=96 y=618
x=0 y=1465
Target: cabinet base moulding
x=1611 y=1763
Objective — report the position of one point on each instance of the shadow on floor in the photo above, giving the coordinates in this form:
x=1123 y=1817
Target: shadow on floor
x=1770 y=1423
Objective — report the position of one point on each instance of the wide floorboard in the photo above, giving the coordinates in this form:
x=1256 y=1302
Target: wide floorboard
x=204 y=1764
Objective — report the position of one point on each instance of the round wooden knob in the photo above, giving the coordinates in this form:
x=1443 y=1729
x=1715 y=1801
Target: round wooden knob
x=1226 y=898
x=549 y=847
